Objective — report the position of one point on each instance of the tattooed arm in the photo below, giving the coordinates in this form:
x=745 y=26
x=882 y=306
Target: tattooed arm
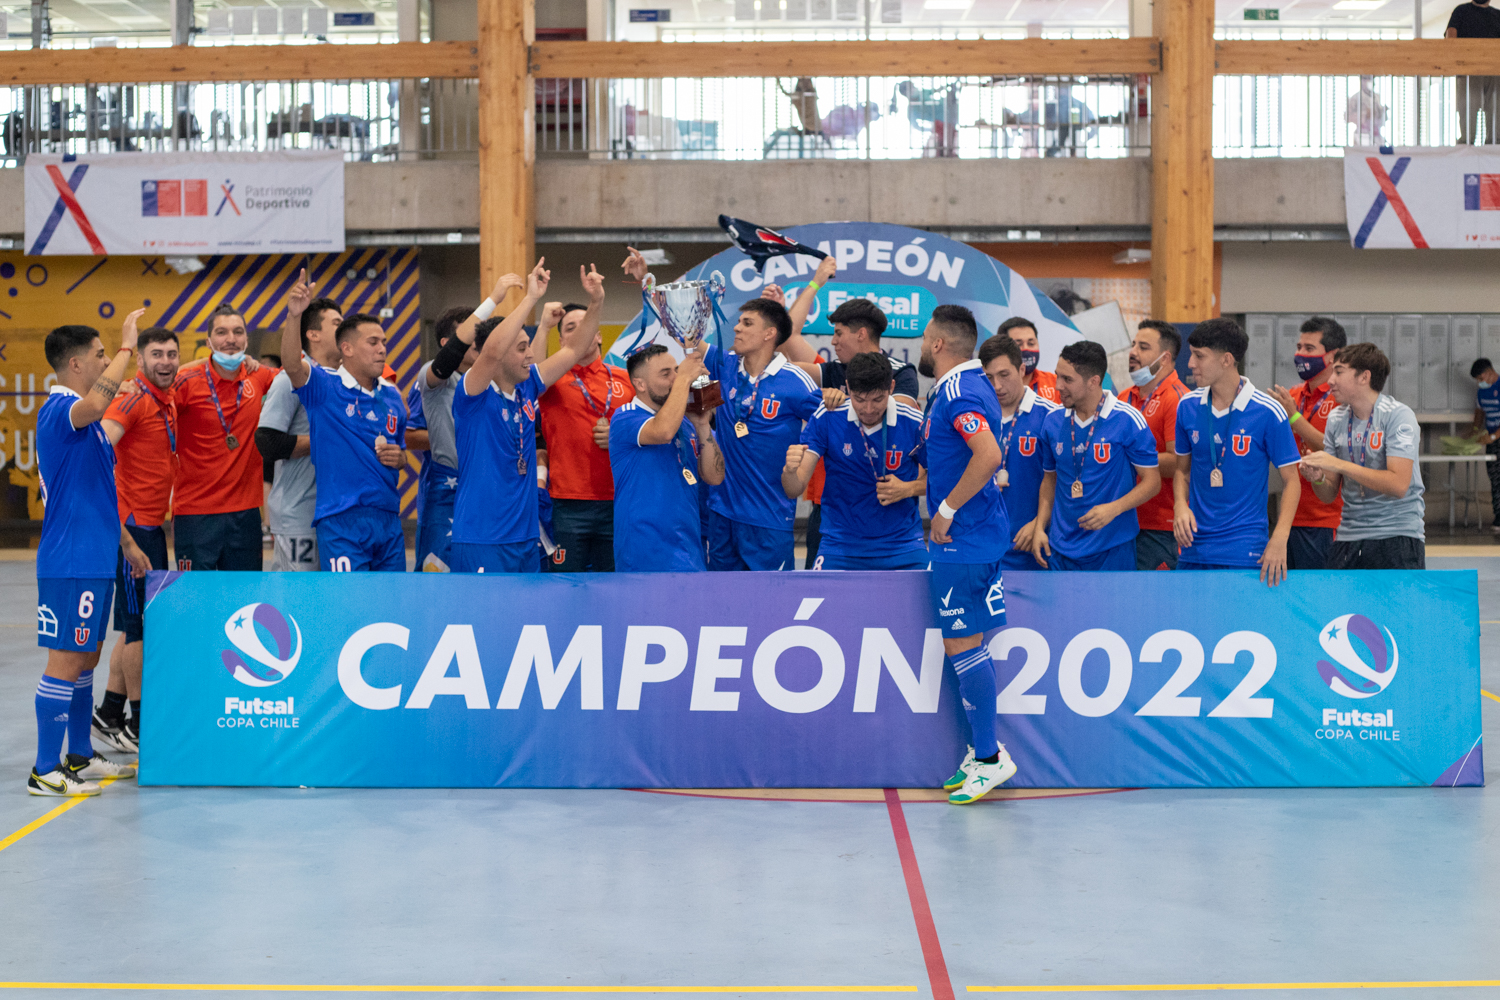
x=93 y=404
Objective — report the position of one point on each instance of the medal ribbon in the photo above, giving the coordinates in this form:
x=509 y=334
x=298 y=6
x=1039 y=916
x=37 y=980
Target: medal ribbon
x=588 y=400
x=166 y=415
x=1207 y=424
x=213 y=394
x=1357 y=450
x=864 y=443
x=1073 y=443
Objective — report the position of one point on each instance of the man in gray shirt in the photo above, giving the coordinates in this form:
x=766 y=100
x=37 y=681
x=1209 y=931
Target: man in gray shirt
x=1370 y=452
x=284 y=443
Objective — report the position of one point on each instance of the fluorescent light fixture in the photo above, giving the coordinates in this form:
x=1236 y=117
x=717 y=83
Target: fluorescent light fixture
x=656 y=258
x=1132 y=256
x=947 y=4
x=1359 y=4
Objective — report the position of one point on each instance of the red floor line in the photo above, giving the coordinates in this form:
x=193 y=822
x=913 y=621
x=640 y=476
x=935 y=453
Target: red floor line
x=932 y=950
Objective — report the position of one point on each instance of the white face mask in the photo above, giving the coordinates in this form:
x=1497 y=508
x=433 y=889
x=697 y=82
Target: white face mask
x=1143 y=375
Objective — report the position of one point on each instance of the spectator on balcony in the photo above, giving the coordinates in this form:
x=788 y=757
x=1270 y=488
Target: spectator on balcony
x=1476 y=19
x=1366 y=113
x=805 y=102
x=935 y=109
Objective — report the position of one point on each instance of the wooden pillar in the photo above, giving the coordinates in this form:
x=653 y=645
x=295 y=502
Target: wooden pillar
x=1182 y=164
x=507 y=140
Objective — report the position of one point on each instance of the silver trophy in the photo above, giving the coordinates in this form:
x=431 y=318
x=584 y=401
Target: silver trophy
x=688 y=309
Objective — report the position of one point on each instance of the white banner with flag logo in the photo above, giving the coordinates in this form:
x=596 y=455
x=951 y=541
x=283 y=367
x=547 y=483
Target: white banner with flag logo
x=1415 y=196
x=185 y=203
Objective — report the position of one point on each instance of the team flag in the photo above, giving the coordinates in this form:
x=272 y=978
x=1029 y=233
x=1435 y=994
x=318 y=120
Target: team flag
x=761 y=244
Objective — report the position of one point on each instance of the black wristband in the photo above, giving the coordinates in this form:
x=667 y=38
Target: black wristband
x=274 y=445
x=449 y=357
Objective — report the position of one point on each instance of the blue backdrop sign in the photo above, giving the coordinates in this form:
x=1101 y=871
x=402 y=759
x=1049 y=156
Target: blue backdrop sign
x=906 y=272
x=806 y=680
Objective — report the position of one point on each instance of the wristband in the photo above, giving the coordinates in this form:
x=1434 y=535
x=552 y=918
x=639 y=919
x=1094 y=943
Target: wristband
x=449 y=357
x=126 y=350
x=813 y=286
x=486 y=309
x=945 y=511
x=1295 y=417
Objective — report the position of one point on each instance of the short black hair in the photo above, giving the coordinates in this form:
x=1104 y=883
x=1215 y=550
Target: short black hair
x=66 y=341
x=772 y=312
x=634 y=363
x=483 y=330
x=1329 y=330
x=573 y=307
x=1087 y=357
x=869 y=372
x=313 y=315
x=1223 y=336
x=1479 y=367
x=155 y=335
x=1014 y=322
x=224 y=309
x=1000 y=346
x=351 y=323
x=1366 y=358
x=448 y=323
x=1171 y=340
x=957 y=323
x=860 y=314
x=275 y=359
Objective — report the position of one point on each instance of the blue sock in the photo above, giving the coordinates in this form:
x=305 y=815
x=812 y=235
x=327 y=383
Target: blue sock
x=976 y=686
x=81 y=716
x=52 y=700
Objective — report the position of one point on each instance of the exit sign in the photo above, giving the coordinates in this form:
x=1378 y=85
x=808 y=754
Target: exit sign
x=1262 y=14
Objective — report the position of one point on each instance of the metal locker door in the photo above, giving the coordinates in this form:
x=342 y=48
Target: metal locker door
x=1285 y=373
x=1463 y=349
x=1354 y=327
x=1489 y=338
x=1405 y=360
x=1260 y=357
x=1434 y=367
x=1377 y=330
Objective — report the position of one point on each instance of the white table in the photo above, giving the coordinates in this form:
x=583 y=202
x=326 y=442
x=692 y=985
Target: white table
x=1468 y=462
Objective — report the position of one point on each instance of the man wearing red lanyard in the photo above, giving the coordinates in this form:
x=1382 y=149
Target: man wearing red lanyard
x=216 y=508
x=1156 y=393
x=574 y=420
x=1309 y=405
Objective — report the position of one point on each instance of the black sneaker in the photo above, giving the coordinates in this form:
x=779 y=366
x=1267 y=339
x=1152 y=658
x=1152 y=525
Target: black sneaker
x=113 y=733
x=133 y=733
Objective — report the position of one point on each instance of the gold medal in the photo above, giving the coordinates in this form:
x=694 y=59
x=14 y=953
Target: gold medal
x=1002 y=478
x=232 y=441
x=741 y=429
x=1077 y=490
x=1216 y=477
x=687 y=474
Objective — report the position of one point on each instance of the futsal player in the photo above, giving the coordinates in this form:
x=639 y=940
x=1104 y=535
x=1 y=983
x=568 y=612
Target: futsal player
x=1228 y=431
x=1023 y=332
x=496 y=522
x=658 y=453
x=216 y=506
x=357 y=425
x=285 y=443
x=75 y=559
x=1156 y=392
x=1100 y=459
x=968 y=534
x=868 y=446
x=1022 y=412
x=142 y=426
x=1309 y=405
x=1370 y=454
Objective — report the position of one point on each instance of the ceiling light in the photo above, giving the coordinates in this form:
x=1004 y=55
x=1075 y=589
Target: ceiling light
x=1358 y=4
x=947 y=4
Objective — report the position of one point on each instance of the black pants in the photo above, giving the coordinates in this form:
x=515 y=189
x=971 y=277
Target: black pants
x=228 y=542
x=814 y=535
x=1493 y=468
x=1307 y=548
x=1155 y=550
x=584 y=532
x=1401 y=552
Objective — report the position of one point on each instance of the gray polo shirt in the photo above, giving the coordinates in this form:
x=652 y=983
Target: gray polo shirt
x=437 y=407
x=294 y=489
x=1391 y=432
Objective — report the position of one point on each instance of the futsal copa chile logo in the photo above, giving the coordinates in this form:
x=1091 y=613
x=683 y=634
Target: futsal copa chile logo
x=1354 y=674
x=251 y=661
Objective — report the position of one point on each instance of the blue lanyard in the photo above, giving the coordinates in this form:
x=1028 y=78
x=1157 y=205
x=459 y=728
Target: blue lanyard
x=1358 y=451
x=213 y=394
x=1073 y=442
x=609 y=393
x=1207 y=424
x=166 y=416
x=864 y=443
x=1005 y=443
x=681 y=445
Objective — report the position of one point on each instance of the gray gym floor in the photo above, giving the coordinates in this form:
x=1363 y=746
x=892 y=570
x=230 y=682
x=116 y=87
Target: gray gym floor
x=245 y=892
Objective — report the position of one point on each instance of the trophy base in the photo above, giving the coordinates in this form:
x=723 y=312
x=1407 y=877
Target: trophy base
x=704 y=398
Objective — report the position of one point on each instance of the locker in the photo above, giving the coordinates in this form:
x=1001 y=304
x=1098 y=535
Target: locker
x=1354 y=327
x=1489 y=338
x=1287 y=332
x=1260 y=356
x=1405 y=371
x=1463 y=349
x=1434 y=341
x=1376 y=329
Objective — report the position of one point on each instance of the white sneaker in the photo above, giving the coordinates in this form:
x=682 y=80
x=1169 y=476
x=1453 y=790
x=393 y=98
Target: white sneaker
x=59 y=782
x=983 y=779
x=98 y=766
x=962 y=773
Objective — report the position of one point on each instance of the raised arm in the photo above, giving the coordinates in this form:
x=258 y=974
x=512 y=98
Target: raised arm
x=797 y=348
x=487 y=365
x=578 y=342
x=663 y=427
x=297 y=301
x=801 y=462
x=92 y=406
x=464 y=335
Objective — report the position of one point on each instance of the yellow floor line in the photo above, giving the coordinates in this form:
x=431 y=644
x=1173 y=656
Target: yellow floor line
x=48 y=817
x=272 y=988
x=1185 y=987
x=1495 y=697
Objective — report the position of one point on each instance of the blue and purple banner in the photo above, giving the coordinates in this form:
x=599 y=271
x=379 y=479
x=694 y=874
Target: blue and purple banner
x=806 y=680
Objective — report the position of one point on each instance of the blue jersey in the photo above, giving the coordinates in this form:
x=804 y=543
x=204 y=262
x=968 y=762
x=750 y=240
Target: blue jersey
x=657 y=527
x=854 y=457
x=961 y=405
x=1021 y=459
x=1103 y=455
x=773 y=408
x=1232 y=521
x=1489 y=402
x=497 y=493
x=344 y=419
x=80 y=522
